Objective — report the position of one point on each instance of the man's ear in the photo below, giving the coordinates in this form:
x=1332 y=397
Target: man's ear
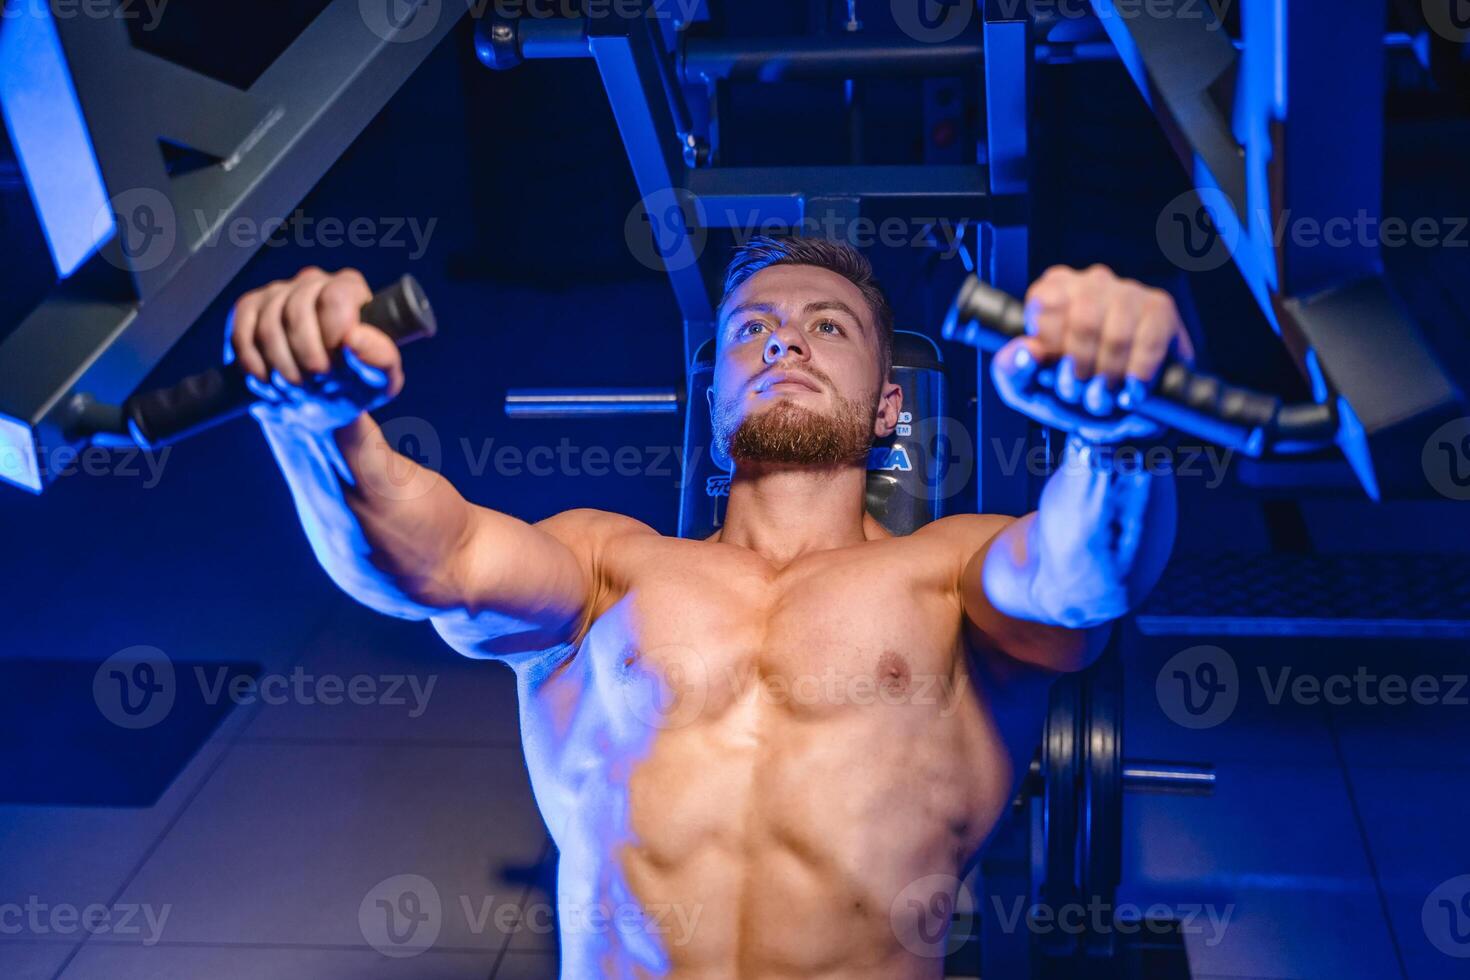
x=890 y=404
x=718 y=458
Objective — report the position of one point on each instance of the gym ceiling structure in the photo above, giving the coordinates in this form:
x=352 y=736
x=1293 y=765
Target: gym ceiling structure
x=1262 y=776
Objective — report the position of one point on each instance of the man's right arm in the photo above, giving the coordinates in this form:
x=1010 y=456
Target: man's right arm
x=392 y=534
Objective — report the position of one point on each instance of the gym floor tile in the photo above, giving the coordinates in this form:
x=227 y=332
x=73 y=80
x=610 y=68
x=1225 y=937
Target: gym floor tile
x=1298 y=890
x=1426 y=730
x=1262 y=823
x=21 y=960
x=526 y=966
x=163 y=962
x=306 y=844
x=412 y=687
x=1415 y=821
x=1264 y=723
x=81 y=855
x=1295 y=933
x=535 y=930
x=205 y=627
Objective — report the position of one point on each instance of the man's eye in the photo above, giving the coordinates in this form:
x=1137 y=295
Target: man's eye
x=836 y=327
x=750 y=326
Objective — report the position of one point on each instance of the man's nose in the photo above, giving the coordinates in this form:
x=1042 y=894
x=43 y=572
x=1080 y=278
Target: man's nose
x=783 y=341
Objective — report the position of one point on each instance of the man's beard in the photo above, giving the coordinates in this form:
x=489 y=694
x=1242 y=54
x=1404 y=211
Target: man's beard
x=790 y=433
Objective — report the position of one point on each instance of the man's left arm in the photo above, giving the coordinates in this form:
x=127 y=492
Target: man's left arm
x=1047 y=587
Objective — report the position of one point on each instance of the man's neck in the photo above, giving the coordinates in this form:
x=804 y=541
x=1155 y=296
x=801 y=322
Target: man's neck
x=782 y=512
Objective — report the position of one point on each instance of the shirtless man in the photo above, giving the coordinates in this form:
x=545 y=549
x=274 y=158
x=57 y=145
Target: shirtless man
x=778 y=746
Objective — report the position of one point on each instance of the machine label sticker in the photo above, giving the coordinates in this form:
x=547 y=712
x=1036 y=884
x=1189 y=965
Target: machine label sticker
x=889 y=458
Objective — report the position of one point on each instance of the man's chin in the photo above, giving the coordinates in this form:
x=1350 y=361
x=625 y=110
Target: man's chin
x=789 y=433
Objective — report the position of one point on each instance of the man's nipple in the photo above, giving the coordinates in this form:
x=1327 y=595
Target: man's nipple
x=894 y=675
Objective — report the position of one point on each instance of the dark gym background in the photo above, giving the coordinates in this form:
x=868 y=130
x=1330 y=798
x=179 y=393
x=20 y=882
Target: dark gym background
x=263 y=828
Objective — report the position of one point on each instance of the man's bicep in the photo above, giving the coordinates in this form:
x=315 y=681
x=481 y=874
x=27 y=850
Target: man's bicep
x=526 y=587
x=993 y=585
x=984 y=533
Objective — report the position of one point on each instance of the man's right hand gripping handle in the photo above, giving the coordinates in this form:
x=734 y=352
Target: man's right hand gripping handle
x=386 y=529
x=306 y=352
x=395 y=535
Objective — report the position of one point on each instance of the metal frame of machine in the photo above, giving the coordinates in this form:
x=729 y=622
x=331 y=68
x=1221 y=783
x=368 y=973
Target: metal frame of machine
x=104 y=327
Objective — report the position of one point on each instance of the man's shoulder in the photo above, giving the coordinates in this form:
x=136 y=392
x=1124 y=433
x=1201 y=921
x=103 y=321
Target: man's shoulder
x=941 y=550
x=590 y=520
x=963 y=531
x=954 y=540
x=597 y=535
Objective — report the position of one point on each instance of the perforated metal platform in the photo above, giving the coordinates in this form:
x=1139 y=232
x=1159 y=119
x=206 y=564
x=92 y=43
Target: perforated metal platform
x=1247 y=594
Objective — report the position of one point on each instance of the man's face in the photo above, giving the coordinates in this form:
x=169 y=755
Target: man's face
x=796 y=371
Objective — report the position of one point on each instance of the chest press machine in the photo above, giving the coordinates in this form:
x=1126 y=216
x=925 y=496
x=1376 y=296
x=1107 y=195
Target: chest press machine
x=667 y=79
x=667 y=87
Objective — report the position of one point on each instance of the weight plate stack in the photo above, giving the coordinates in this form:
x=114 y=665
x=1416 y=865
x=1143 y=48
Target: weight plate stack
x=1061 y=769
x=1101 y=805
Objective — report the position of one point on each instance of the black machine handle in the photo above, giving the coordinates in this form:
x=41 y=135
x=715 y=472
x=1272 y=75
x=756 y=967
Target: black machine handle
x=165 y=415
x=1251 y=422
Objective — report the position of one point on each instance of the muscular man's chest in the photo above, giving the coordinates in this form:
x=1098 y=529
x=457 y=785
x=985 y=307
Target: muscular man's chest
x=848 y=631
x=713 y=680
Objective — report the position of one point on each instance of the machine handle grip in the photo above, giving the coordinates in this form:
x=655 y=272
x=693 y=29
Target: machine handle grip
x=1252 y=422
x=165 y=415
